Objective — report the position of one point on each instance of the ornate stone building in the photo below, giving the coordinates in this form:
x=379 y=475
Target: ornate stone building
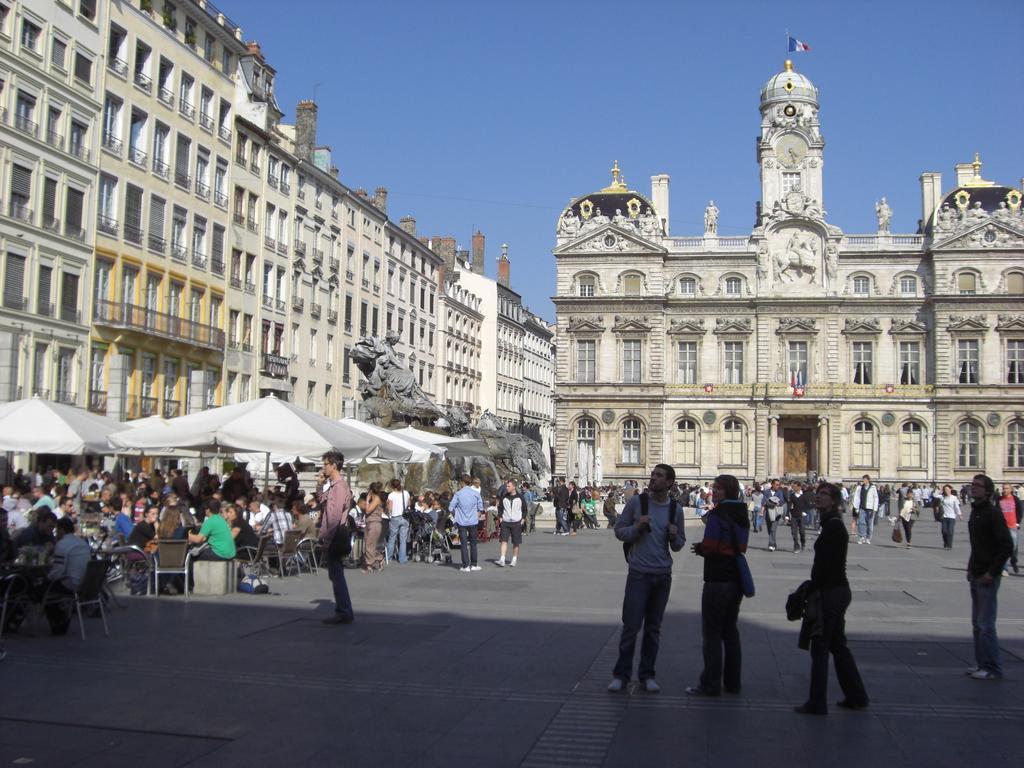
x=799 y=348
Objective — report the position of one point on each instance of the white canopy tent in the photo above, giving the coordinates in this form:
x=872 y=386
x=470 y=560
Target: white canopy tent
x=43 y=426
x=419 y=450
x=455 y=447
x=268 y=425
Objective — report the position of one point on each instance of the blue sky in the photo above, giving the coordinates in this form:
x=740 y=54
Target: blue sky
x=491 y=116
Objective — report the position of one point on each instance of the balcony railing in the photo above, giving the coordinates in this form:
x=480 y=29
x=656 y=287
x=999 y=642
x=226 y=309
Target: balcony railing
x=51 y=224
x=366 y=282
x=79 y=150
x=143 y=81
x=250 y=224
x=132 y=317
x=272 y=180
x=25 y=125
x=107 y=225
x=205 y=121
x=268 y=242
x=54 y=139
x=274 y=366
x=183 y=180
x=166 y=97
x=250 y=287
x=267 y=301
x=44 y=308
x=18 y=209
x=147 y=406
x=112 y=144
x=133 y=234
x=300 y=248
x=70 y=314
x=74 y=231
x=65 y=396
x=298 y=303
x=137 y=157
x=224 y=133
x=217 y=266
x=186 y=110
x=232 y=343
x=160 y=168
x=98 y=401
x=202 y=191
x=285 y=187
x=220 y=200
x=279 y=305
x=332 y=316
x=179 y=252
x=172 y=408
x=282 y=248
x=318 y=256
x=350 y=275
x=198 y=259
x=239 y=218
x=315 y=309
x=255 y=168
x=236 y=282
x=157 y=244
x=335 y=265
x=118 y=66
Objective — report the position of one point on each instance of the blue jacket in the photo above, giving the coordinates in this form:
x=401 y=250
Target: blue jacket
x=466 y=505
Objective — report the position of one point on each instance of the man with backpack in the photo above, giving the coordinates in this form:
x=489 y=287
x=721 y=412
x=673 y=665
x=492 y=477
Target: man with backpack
x=649 y=526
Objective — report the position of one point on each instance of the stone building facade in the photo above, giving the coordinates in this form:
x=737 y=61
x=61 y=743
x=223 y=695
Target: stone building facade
x=798 y=349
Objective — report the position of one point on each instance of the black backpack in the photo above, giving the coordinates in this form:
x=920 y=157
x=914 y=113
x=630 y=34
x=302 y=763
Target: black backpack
x=644 y=499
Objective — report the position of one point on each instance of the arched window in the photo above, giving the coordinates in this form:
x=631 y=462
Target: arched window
x=1015 y=282
x=908 y=285
x=912 y=445
x=686 y=442
x=967 y=283
x=631 y=432
x=862 y=285
x=732 y=442
x=733 y=286
x=632 y=285
x=968 y=454
x=1015 y=444
x=586 y=437
x=687 y=286
x=587 y=285
x=863 y=444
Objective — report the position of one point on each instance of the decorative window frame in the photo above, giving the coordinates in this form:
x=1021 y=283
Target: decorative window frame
x=586 y=273
x=744 y=440
x=876 y=435
x=979 y=281
x=872 y=284
x=698 y=288
x=924 y=444
x=645 y=429
x=980 y=465
x=744 y=285
x=620 y=282
x=686 y=416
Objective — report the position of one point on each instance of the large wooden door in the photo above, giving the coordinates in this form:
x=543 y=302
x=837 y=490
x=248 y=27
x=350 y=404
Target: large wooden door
x=797 y=453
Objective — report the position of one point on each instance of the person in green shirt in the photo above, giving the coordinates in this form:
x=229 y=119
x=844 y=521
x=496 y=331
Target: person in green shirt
x=217 y=534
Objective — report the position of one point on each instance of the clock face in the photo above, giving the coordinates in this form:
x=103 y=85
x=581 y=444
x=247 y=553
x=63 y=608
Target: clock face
x=791 y=150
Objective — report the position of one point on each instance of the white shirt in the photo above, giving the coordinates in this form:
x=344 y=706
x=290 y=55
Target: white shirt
x=398 y=502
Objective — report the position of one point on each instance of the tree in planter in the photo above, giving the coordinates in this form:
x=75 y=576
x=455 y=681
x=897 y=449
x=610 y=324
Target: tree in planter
x=146 y=5
x=169 y=20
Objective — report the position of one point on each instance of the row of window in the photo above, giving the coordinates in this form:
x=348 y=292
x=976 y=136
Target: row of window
x=156 y=293
x=56 y=291
x=65 y=128
x=32 y=41
x=59 y=202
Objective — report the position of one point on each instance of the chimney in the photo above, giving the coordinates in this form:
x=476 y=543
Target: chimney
x=659 y=196
x=408 y=224
x=477 y=253
x=305 y=129
x=504 y=266
x=964 y=173
x=931 y=195
x=461 y=256
x=363 y=193
x=444 y=246
x=254 y=49
x=380 y=199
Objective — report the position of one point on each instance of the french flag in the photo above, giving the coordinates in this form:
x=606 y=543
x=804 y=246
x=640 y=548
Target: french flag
x=797 y=45
x=796 y=378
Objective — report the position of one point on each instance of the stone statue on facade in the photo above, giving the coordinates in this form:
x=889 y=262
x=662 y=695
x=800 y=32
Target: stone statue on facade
x=649 y=224
x=976 y=213
x=797 y=260
x=599 y=218
x=762 y=261
x=884 y=214
x=619 y=220
x=711 y=218
x=569 y=224
x=832 y=262
x=945 y=220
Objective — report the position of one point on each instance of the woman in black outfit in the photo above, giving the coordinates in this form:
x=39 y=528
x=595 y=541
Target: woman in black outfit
x=828 y=582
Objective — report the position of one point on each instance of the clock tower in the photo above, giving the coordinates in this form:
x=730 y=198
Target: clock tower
x=790 y=150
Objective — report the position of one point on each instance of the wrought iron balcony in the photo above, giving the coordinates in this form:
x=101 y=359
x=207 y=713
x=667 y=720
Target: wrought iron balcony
x=274 y=366
x=202 y=191
x=224 y=133
x=250 y=287
x=98 y=401
x=335 y=265
x=282 y=248
x=137 y=157
x=65 y=396
x=286 y=188
x=279 y=305
x=179 y=252
x=268 y=242
x=255 y=168
x=183 y=180
x=115 y=314
x=236 y=282
x=118 y=66
x=161 y=169
x=143 y=81
x=217 y=266
x=23 y=124
x=300 y=248
x=267 y=301
x=272 y=180
x=332 y=316
x=156 y=243
x=198 y=259
x=54 y=139
x=172 y=408
x=133 y=234
x=250 y=224
x=220 y=200
x=186 y=110
x=165 y=97
x=18 y=209
x=315 y=309
x=298 y=303
x=147 y=406
x=112 y=144
x=205 y=121
x=44 y=308
x=74 y=231
x=79 y=150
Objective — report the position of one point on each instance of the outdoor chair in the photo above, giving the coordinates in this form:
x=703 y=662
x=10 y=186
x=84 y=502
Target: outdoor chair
x=127 y=562
x=307 y=555
x=287 y=553
x=90 y=592
x=253 y=560
x=172 y=557
x=14 y=594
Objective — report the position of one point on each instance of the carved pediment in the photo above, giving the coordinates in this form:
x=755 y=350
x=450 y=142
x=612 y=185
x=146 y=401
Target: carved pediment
x=856 y=325
x=733 y=325
x=967 y=323
x=631 y=325
x=906 y=327
x=798 y=325
x=686 y=326
x=609 y=239
x=586 y=324
x=991 y=233
x=1010 y=323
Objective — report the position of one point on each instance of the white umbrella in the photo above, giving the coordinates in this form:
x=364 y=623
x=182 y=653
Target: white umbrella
x=455 y=447
x=268 y=425
x=419 y=450
x=43 y=426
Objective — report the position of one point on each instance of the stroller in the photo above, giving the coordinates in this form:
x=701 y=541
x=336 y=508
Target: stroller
x=435 y=541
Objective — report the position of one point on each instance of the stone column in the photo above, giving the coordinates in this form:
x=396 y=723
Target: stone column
x=773 y=446
x=117 y=386
x=8 y=366
x=823 y=469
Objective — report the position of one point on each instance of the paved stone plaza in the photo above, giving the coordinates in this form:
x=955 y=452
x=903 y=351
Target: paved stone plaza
x=508 y=667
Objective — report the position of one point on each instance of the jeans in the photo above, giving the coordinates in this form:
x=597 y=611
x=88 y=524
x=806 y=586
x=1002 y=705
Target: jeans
x=834 y=603
x=467 y=543
x=771 y=525
x=796 y=527
x=948 y=524
x=643 y=606
x=756 y=520
x=399 y=529
x=561 y=520
x=983 y=622
x=865 y=523
x=336 y=573
x=907 y=527
x=1015 y=535
x=719 y=614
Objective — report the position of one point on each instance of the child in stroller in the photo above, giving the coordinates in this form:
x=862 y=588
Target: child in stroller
x=431 y=541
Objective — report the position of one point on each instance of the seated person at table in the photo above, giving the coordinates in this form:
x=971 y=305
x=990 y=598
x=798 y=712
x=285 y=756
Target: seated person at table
x=278 y=521
x=70 y=558
x=303 y=522
x=170 y=526
x=241 y=531
x=216 y=534
x=143 y=534
x=39 y=533
x=122 y=521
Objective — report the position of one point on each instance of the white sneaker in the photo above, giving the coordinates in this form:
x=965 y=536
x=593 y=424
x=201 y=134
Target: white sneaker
x=651 y=685
x=616 y=685
x=513 y=563
x=984 y=674
x=971 y=670
x=465 y=569
x=500 y=563
x=475 y=568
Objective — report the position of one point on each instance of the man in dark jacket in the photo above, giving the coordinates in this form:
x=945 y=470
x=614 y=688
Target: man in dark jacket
x=561 y=500
x=991 y=546
x=725 y=536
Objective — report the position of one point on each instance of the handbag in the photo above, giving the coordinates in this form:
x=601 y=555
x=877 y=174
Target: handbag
x=897 y=534
x=746 y=577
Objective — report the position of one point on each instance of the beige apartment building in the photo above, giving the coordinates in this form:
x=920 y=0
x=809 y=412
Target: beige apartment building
x=51 y=60
x=159 y=283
